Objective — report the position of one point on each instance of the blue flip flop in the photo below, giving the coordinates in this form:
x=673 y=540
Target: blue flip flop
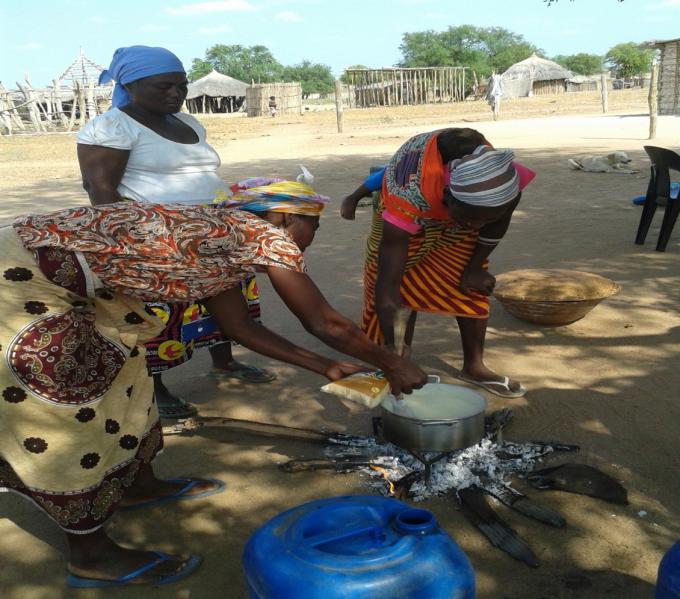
x=181 y=495
x=190 y=566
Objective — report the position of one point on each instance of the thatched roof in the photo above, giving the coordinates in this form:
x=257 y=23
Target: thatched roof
x=536 y=68
x=216 y=85
x=82 y=69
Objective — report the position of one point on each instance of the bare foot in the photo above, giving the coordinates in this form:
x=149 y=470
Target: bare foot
x=96 y=556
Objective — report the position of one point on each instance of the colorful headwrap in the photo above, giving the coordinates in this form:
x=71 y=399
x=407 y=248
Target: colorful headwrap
x=485 y=178
x=291 y=197
x=137 y=62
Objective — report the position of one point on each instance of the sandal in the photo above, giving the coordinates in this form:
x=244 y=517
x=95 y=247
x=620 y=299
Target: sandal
x=189 y=566
x=500 y=388
x=181 y=495
x=244 y=373
x=177 y=410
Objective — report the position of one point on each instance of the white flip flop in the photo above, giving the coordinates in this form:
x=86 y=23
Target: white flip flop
x=500 y=388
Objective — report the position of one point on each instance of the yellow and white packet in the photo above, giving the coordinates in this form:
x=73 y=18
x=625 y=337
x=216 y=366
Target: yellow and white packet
x=365 y=388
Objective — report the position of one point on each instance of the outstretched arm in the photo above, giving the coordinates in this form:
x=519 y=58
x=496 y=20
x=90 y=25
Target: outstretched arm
x=349 y=205
x=372 y=183
x=230 y=311
x=305 y=300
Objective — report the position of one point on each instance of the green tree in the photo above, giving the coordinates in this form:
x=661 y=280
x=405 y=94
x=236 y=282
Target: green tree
x=582 y=63
x=245 y=63
x=425 y=49
x=483 y=49
x=315 y=78
x=345 y=78
x=628 y=60
x=199 y=68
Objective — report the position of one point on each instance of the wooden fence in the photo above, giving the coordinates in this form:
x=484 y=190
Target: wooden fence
x=407 y=86
x=53 y=108
x=288 y=98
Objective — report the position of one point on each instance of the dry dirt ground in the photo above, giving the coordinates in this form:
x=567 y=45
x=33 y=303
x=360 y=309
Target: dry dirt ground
x=609 y=383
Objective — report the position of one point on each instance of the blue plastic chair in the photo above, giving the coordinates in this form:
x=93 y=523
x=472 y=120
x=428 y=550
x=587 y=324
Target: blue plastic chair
x=659 y=194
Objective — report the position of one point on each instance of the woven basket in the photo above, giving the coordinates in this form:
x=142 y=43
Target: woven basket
x=534 y=296
x=550 y=313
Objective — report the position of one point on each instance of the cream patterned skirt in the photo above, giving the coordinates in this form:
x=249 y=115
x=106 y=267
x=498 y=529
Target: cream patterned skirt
x=77 y=416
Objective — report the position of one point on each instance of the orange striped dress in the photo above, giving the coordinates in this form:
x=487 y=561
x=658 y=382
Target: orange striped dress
x=438 y=249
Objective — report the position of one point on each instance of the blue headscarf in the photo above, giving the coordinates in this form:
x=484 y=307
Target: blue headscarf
x=137 y=62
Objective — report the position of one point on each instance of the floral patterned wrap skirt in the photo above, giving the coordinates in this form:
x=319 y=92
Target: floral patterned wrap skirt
x=77 y=416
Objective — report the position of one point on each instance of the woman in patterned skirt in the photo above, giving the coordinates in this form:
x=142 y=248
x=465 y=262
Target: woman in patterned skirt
x=446 y=201
x=78 y=424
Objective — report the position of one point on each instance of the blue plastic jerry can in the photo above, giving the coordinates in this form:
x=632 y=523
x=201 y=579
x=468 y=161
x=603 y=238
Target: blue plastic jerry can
x=668 y=579
x=355 y=547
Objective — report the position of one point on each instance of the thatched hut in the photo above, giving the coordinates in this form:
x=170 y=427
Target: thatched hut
x=216 y=93
x=669 y=75
x=534 y=76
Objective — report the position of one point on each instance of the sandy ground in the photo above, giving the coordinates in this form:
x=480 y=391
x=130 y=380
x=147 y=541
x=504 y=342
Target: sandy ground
x=608 y=383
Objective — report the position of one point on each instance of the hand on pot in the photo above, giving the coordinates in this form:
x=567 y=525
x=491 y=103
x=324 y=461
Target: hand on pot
x=404 y=377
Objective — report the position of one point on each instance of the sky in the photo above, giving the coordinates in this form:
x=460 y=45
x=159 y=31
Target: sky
x=43 y=37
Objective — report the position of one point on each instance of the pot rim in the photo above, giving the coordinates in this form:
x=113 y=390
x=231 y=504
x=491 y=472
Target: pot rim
x=439 y=421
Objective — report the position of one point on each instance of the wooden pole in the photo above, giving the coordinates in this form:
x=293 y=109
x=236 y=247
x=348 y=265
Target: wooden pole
x=426 y=85
x=401 y=87
x=11 y=108
x=82 y=104
x=57 y=103
x=417 y=87
x=33 y=113
x=603 y=82
x=74 y=107
x=5 y=119
x=374 y=87
x=90 y=101
x=407 y=87
x=37 y=99
x=338 y=106
x=653 y=104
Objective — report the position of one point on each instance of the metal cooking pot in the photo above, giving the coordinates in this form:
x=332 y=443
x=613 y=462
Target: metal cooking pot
x=438 y=417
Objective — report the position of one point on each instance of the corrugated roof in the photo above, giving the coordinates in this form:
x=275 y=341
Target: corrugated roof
x=216 y=85
x=657 y=43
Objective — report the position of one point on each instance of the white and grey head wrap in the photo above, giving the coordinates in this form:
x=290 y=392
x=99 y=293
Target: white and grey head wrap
x=484 y=178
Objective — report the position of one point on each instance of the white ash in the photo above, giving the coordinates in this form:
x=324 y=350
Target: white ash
x=494 y=461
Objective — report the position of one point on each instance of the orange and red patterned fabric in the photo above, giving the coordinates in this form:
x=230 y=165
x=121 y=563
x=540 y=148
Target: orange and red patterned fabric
x=163 y=252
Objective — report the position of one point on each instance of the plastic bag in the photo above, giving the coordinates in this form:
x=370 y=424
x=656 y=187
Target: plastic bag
x=365 y=388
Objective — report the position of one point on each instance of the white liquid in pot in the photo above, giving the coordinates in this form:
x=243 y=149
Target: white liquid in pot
x=437 y=401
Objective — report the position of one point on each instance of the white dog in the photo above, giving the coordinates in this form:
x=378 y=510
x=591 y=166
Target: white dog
x=616 y=162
